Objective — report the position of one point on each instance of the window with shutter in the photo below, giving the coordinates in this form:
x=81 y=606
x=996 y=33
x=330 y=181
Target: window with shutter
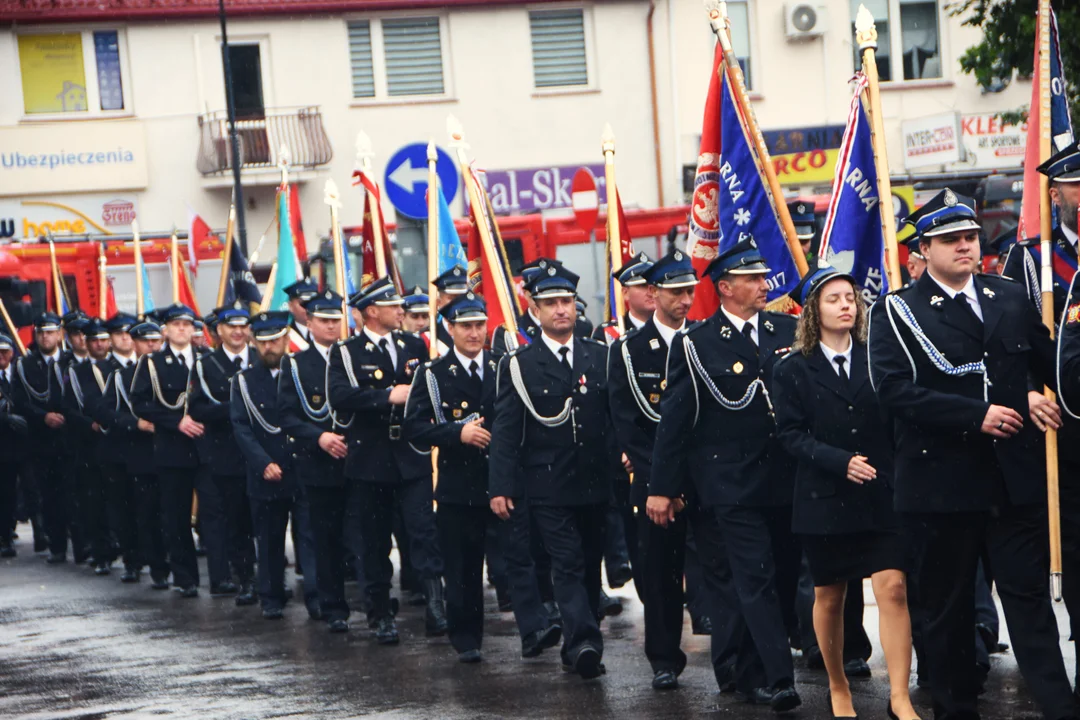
x=363 y=71
x=413 y=51
x=558 y=48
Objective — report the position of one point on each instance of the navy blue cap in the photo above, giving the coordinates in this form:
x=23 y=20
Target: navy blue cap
x=913 y=247
x=5 y=343
x=631 y=272
x=75 y=316
x=803 y=218
x=176 y=311
x=47 y=321
x=454 y=281
x=270 y=325
x=156 y=315
x=1064 y=166
x=743 y=258
x=813 y=281
x=947 y=212
x=1004 y=241
x=531 y=270
x=200 y=328
x=417 y=301
x=581 y=305
x=302 y=290
x=555 y=281
x=211 y=319
x=326 y=305
x=674 y=270
x=95 y=329
x=120 y=322
x=146 y=330
x=381 y=292
x=465 y=308
x=235 y=314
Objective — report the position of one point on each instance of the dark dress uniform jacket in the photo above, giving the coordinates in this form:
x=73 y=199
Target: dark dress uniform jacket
x=208 y=403
x=375 y=443
x=172 y=449
x=565 y=465
x=636 y=390
x=261 y=445
x=302 y=381
x=87 y=392
x=944 y=463
x=434 y=416
x=117 y=422
x=733 y=457
x=37 y=391
x=823 y=422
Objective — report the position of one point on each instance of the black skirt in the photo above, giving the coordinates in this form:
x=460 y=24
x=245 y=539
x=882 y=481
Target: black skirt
x=852 y=556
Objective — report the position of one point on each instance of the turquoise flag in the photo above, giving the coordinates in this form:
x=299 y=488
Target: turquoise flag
x=450 y=251
x=288 y=266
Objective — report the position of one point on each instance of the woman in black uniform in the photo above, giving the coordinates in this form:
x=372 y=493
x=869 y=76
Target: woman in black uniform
x=829 y=419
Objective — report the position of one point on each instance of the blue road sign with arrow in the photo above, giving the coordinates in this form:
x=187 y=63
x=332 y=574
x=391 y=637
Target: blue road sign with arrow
x=407 y=179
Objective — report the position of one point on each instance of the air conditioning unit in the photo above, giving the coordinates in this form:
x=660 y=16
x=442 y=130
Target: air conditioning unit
x=803 y=20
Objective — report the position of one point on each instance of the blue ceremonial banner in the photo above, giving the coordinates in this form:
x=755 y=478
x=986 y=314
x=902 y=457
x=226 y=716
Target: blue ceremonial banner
x=450 y=251
x=743 y=205
x=1061 y=131
x=852 y=240
x=240 y=283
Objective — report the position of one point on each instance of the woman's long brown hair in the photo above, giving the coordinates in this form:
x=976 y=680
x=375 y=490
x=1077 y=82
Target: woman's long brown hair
x=808 y=330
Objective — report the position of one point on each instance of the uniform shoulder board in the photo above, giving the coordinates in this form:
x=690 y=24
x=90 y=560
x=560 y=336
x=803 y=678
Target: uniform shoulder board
x=788 y=352
x=593 y=342
x=631 y=333
x=691 y=327
x=1029 y=242
x=993 y=277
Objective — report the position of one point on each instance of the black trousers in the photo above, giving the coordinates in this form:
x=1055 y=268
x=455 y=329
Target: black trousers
x=148 y=526
x=1069 y=472
x=660 y=567
x=462 y=537
x=225 y=527
x=92 y=488
x=574 y=538
x=121 y=510
x=9 y=483
x=516 y=539
x=59 y=502
x=1016 y=542
x=541 y=561
x=328 y=509
x=378 y=502
x=271 y=522
x=620 y=544
x=176 y=486
x=764 y=558
x=496 y=564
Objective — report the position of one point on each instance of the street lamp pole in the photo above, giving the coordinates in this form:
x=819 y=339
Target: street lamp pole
x=230 y=109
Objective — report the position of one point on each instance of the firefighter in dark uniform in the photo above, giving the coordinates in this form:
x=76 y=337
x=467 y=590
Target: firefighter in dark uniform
x=136 y=519
x=452 y=407
x=39 y=394
x=527 y=322
x=273 y=487
x=451 y=285
x=952 y=358
x=416 y=312
x=319 y=439
x=299 y=293
x=639 y=302
x=86 y=384
x=159 y=396
x=717 y=428
x=224 y=512
x=552 y=445
x=805 y=222
x=369 y=376
x=1023 y=264
x=13 y=431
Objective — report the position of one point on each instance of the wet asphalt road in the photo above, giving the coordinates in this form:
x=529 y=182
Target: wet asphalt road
x=73 y=645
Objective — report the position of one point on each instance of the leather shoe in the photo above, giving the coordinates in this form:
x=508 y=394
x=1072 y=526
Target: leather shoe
x=160 y=584
x=247 y=595
x=415 y=598
x=7 y=550
x=56 y=558
x=609 y=606
x=785 y=700
x=537 y=642
x=223 y=589
x=272 y=613
x=619 y=576
x=470 y=656
x=130 y=575
x=554 y=616
x=191 y=591
x=725 y=678
x=701 y=625
x=857 y=668
x=102 y=569
x=665 y=680
x=587 y=662
x=314 y=609
x=338 y=625
x=435 y=622
x=813 y=658
x=386 y=631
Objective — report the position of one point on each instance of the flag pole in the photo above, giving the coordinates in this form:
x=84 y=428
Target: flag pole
x=364 y=153
x=457 y=139
x=174 y=255
x=226 y=257
x=11 y=328
x=432 y=245
x=58 y=286
x=719 y=19
x=866 y=36
x=269 y=294
x=103 y=281
x=330 y=197
x=614 y=241
x=140 y=304
x=1053 y=497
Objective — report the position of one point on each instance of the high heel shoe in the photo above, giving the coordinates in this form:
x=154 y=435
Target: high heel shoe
x=889 y=710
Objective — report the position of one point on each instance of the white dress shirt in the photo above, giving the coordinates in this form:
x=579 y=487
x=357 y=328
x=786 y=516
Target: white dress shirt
x=831 y=356
x=634 y=322
x=389 y=337
x=1070 y=235
x=972 y=298
x=243 y=355
x=187 y=353
x=324 y=351
x=668 y=334
x=124 y=361
x=466 y=362
x=554 y=345
x=738 y=323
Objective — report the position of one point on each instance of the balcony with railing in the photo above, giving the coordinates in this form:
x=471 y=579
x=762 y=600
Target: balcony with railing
x=260 y=140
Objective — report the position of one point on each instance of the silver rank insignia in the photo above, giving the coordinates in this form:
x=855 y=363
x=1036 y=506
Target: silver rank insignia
x=401 y=343
x=378 y=374
x=988 y=292
x=725 y=332
x=654 y=344
x=937 y=300
x=168 y=359
x=737 y=367
x=768 y=325
x=453 y=370
x=369 y=347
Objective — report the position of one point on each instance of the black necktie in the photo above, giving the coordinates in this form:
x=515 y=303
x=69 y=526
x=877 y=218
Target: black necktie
x=966 y=301
x=474 y=375
x=748 y=333
x=238 y=362
x=385 y=345
x=564 y=359
x=5 y=385
x=840 y=361
x=183 y=362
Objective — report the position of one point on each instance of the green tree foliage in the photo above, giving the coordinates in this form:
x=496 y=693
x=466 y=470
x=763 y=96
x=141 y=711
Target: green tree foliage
x=1007 y=49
